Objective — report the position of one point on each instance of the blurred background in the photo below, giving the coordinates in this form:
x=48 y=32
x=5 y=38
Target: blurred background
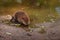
x=38 y=10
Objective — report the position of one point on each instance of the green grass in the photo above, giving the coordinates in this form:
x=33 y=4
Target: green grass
x=36 y=15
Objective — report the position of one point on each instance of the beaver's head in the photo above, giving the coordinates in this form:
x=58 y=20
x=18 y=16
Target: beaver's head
x=24 y=21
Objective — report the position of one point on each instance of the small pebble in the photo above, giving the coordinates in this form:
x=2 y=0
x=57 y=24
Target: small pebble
x=8 y=33
x=29 y=34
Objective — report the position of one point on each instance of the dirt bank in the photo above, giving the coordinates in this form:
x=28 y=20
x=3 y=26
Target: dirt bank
x=52 y=32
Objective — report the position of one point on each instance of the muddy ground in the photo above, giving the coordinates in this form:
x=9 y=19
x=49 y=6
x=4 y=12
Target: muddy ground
x=52 y=32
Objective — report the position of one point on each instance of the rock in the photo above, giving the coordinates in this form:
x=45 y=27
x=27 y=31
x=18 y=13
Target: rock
x=5 y=17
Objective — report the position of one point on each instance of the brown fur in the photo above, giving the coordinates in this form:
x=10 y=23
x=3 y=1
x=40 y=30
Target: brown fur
x=21 y=17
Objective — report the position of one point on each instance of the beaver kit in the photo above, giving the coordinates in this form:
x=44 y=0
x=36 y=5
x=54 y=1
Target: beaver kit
x=21 y=17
